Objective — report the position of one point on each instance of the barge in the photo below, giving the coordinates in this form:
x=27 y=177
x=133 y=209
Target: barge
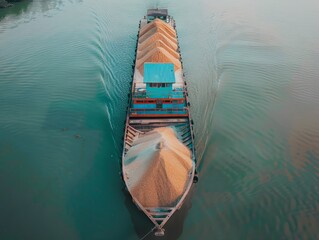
x=158 y=158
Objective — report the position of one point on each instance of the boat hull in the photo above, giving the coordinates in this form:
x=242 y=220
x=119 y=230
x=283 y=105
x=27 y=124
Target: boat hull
x=139 y=122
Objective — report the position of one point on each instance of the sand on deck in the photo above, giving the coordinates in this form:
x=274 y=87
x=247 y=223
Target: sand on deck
x=155 y=37
x=157 y=30
x=157 y=54
x=158 y=44
x=158 y=168
x=157 y=23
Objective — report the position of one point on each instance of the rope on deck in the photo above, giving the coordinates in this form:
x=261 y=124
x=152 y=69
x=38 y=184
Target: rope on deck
x=148 y=233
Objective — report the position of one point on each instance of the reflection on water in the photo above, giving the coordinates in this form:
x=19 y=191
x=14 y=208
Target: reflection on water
x=17 y=9
x=65 y=70
x=27 y=10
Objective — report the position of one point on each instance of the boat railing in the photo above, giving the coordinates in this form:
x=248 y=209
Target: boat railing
x=173 y=94
x=159 y=110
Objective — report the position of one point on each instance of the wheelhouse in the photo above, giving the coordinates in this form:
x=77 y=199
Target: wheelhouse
x=159 y=95
x=157 y=13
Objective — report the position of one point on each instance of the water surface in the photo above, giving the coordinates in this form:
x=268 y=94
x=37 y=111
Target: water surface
x=252 y=71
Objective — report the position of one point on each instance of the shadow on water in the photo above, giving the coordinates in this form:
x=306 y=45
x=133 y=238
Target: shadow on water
x=142 y=225
x=29 y=7
x=17 y=9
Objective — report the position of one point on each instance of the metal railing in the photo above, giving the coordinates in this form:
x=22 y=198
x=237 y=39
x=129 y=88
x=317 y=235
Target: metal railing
x=172 y=94
x=159 y=110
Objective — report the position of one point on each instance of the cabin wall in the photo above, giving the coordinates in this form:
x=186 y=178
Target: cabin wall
x=159 y=92
x=145 y=105
x=171 y=105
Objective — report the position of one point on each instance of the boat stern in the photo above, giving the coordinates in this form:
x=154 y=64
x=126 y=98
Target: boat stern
x=157 y=13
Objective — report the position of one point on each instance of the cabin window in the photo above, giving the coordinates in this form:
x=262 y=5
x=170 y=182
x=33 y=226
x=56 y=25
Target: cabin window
x=155 y=85
x=158 y=85
x=175 y=101
x=139 y=101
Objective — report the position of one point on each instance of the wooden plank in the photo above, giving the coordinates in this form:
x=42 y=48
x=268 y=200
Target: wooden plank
x=130 y=138
x=159 y=213
x=187 y=138
x=187 y=130
x=159 y=208
x=157 y=115
x=131 y=131
x=189 y=143
x=130 y=135
x=135 y=130
x=183 y=128
x=158 y=120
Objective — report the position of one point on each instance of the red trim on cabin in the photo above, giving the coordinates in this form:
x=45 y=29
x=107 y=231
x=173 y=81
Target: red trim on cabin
x=152 y=101
x=133 y=115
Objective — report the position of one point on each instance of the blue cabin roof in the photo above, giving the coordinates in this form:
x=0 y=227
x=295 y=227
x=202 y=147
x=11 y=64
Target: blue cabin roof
x=159 y=73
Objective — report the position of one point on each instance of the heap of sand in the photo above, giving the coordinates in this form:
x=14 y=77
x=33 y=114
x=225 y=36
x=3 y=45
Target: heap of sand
x=156 y=37
x=157 y=23
x=157 y=30
x=157 y=55
x=157 y=44
x=142 y=52
x=158 y=168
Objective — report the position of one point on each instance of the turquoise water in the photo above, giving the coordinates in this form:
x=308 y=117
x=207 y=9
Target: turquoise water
x=252 y=71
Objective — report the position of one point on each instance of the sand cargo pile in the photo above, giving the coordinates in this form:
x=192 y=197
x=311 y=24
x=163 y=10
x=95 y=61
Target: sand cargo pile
x=158 y=168
x=157 y=43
